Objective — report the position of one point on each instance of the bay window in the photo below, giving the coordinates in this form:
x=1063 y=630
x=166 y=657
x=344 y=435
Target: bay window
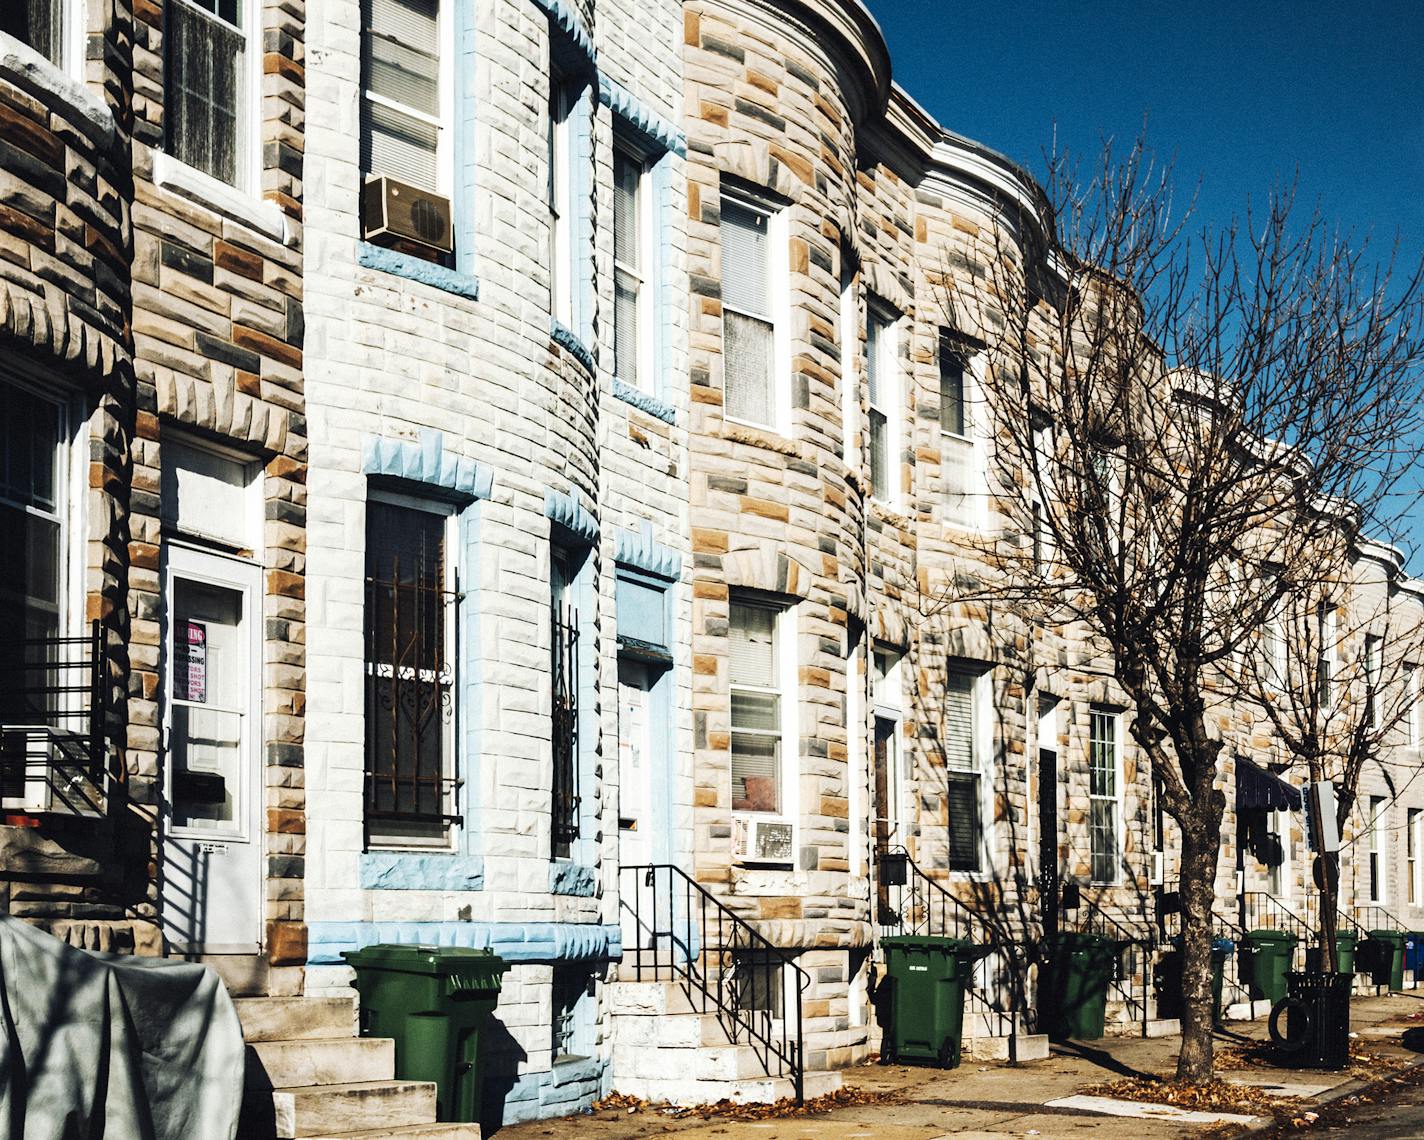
x=411 y=596
x=631 y=285
x=1104 y=795
x=755 y=673
x=749 y=329
x=964 y=766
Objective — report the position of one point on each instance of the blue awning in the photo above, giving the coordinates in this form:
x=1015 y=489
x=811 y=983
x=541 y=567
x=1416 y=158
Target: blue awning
x=1259 y=790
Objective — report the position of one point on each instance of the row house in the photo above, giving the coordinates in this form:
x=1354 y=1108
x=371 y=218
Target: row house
x=525 y=504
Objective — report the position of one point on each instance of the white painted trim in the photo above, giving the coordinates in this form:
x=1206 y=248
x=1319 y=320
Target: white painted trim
x=179 y=178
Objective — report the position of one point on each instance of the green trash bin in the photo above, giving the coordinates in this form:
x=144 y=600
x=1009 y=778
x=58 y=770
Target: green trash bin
x=1268 y=960
x=1080 y=968
x=928 y=977
x=1168 y=978
x=432 y=1000
x=1345 y=942
x=1390 y=969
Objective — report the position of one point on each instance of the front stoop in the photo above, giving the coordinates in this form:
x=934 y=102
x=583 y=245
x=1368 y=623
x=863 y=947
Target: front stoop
x=665 y=1050
x=309 y=1077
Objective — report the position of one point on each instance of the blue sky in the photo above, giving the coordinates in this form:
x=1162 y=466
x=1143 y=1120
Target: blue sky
x=1242 y=94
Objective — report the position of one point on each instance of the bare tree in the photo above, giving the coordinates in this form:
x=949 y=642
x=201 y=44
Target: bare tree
x=1183 y=428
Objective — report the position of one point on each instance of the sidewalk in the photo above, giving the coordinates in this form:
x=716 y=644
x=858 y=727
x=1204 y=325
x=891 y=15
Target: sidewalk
x=981 y=1100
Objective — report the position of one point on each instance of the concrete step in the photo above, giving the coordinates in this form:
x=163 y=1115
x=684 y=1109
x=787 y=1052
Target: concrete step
x=415 y=1131
x=648 y=999
x=324 y=1110
x=708 y=1063
x=1027 y=1047
x=295 y=1018
x=1246 y=1010
x=320 y=1061
x=683 y=1091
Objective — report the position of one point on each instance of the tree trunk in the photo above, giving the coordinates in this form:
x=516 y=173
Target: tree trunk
x=1198 y=885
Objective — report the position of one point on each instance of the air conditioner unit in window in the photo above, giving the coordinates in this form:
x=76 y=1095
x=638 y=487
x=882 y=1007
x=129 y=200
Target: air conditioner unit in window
x=396 y=211
x=45 y=770
x=762 y=841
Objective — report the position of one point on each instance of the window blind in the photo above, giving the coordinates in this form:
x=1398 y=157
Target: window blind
x=744 y=260
x=627 y=279
x=401 y=65
x=959 y=751
x=964 y=821
x=961 y=758
x=753 y=645
x=951 y=391
x=746 y=366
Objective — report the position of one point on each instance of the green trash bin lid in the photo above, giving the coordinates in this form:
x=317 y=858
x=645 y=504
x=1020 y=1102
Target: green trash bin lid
x=462 y=967
x=1264 y=936
x=927 y=942
x=1388 y=935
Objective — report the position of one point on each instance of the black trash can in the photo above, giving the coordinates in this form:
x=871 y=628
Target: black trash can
x=1316 y=1012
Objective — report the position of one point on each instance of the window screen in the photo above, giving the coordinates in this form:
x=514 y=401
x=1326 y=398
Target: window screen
x=747 y=329
x=36 y=23
x=400 y=108
x=756 y=708
x=951 y=390
x=204 y=80
x=961 y=761
x=1103 y=794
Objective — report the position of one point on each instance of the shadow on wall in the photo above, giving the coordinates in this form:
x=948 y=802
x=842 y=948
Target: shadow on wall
x=500 y=1058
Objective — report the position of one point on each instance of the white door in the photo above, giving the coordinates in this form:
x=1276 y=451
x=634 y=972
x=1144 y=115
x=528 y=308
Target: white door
x=211 y=874
x=635 y=848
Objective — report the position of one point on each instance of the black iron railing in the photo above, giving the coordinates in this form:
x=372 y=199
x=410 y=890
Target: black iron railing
x=913 y=902
x=411 y=776
x=725 y=966
x=54 y=705
x=565 y=712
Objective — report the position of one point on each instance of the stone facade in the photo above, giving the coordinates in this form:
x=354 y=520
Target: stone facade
x=156 y=303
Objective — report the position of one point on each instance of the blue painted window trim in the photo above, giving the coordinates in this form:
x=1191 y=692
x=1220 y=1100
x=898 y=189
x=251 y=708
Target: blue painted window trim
x=564 y=19
x=638 y=549
x=414 y=268
x=658 y=131
x=425 y=461
x=644 y=401
x=576 y=519
x=512 y=941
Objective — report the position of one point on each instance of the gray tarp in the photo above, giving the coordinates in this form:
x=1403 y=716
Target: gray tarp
x=105 y=1045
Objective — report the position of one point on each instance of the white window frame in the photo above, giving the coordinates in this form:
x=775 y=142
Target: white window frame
x=248 y=130
x=785 y=689
x=857 y=768
x=972 y=518
x=560 y=198
x=778 y=285
x=450 y=756
x=849 y=317
x=445 y=85
x=72 y=17
x=891 y=384
x=1113 y=717
x=1373 y=668
x=1043 y=546
x=888 y=696
x=1415 y=711
x=1282 y=878
x=1327 y=662
x=1413 y=850
x=644 y=271
x=1377 y=848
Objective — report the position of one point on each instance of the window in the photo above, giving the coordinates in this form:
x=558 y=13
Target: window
x=631 y=285
x=883 y=387
x=1273 y=650
x=570 y=1005
x=850 y=347
x=31 y=515
x=1375 y=821
x=756 y=692
x=38 y=23
x=1373 y=700
x=1045 y=452
x=1278 y=827
x=208 y=104
x=563 y=638
x=410 y=675
x=748 y=327
x=1325 y=663
x=560 y=201
x=1416 y=712
x=1104 y=794
x=958 y=454
x=1412 y=837
x=757 y=976
x=963 y=766
x=403 y=98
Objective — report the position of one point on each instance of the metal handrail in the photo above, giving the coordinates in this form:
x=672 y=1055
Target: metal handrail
x=693 y=934
x=1382 y=920
x=933 y=910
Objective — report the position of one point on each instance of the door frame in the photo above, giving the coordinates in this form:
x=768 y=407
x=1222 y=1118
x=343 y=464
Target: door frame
x=197 y=564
